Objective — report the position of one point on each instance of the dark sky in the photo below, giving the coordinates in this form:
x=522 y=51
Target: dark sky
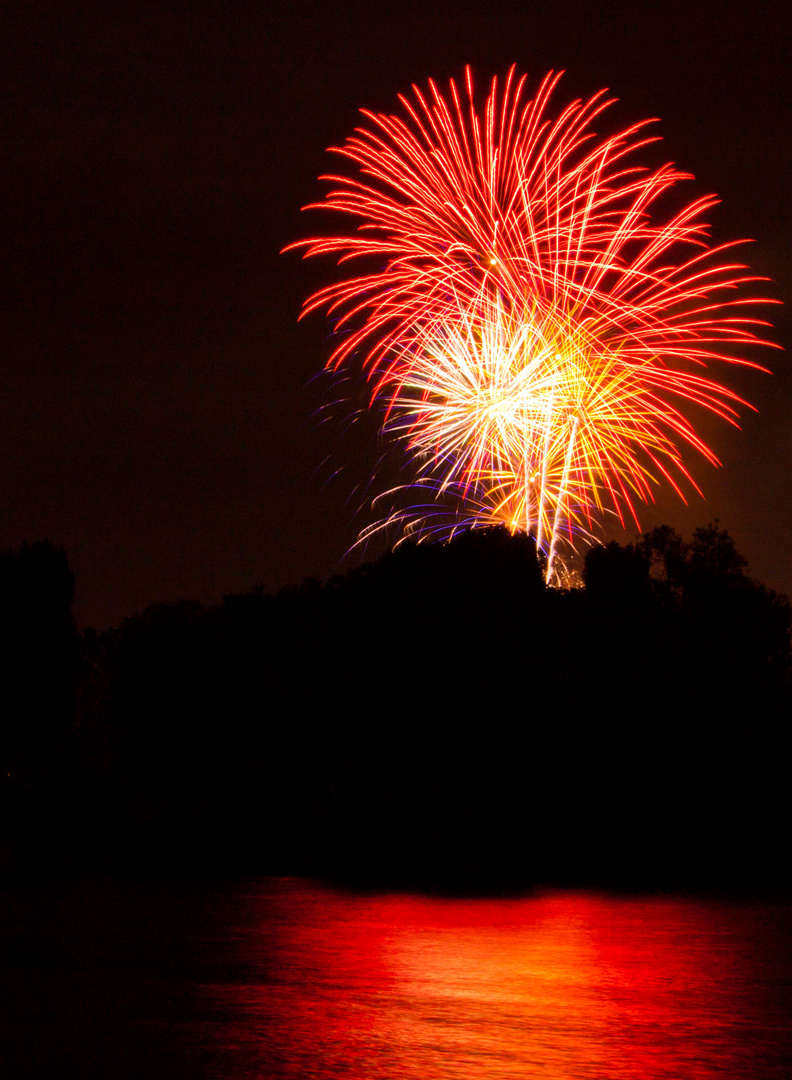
x=157 y=401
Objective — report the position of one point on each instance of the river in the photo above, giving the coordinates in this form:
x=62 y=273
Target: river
x=277 y=979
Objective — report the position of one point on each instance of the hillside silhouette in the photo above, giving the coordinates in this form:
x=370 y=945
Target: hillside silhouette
x=437 y=719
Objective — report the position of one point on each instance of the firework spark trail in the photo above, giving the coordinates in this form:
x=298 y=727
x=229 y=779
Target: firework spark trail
x=533 y=333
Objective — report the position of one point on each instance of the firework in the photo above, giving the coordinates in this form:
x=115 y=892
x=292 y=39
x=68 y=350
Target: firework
x=534 y=334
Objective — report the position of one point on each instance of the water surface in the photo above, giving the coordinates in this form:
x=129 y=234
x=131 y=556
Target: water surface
x=285 y=979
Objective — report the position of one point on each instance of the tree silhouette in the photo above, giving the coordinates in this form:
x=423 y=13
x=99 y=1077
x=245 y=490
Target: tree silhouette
x=438 y=718
x=38 y=650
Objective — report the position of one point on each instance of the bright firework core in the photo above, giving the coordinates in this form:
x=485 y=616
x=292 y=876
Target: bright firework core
x=533 y=334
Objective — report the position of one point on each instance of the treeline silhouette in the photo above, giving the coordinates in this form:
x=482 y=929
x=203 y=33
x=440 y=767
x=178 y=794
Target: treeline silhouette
x=438 y=719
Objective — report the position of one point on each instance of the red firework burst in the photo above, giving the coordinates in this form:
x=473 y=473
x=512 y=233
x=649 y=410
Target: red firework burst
x=531 y=327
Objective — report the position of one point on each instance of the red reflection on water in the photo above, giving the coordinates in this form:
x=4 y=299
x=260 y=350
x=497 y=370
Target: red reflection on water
x=566 y=986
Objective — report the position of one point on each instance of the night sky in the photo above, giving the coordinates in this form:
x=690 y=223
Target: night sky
x=158 y=402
